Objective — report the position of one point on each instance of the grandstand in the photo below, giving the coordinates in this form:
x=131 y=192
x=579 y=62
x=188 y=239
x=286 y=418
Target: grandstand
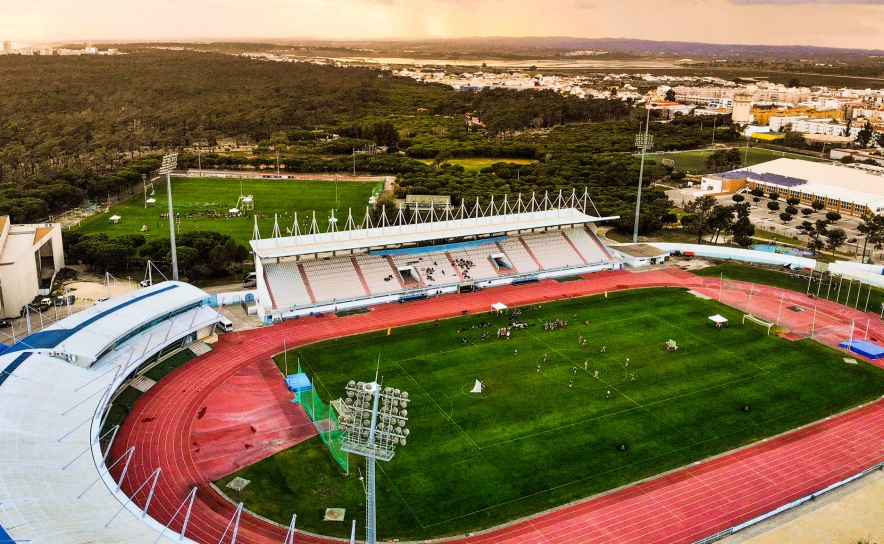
x=430 y=251
x=55 y=389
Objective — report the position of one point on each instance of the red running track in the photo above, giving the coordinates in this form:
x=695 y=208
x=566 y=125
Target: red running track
x=682 y=506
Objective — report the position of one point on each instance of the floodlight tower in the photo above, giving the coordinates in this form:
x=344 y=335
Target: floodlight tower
x=644 y=142
x=169 y=162
x=374 y=425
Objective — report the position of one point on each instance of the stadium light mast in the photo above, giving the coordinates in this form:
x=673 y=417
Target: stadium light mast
x=374 y=425
x=643 y=142
x=169 y=162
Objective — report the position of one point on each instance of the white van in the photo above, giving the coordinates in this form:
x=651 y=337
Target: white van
x=225 y=324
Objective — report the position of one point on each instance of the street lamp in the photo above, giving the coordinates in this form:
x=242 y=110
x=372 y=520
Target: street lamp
x=644 y=142
x=169 y=162
x=374 y=425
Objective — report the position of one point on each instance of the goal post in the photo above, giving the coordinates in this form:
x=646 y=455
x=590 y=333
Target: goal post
x=758 y=321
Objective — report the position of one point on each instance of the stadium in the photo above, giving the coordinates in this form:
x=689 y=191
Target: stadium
x=615 y=406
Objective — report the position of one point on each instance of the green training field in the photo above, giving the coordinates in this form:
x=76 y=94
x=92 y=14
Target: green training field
x=530 y=442
x=694 y=162
x=272 y=196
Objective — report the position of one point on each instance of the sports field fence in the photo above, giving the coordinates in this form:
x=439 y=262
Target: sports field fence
x=326 y=421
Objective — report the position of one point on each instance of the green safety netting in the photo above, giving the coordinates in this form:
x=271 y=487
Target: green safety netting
x=327 y=424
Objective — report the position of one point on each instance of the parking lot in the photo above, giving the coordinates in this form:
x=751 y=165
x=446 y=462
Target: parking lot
x=767 y=220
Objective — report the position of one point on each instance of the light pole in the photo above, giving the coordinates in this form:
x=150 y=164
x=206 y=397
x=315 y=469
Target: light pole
x=374 y=425
x=169 y=163
x=642 y=141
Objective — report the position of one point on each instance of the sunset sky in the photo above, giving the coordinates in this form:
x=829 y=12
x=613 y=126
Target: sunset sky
x=836 y=23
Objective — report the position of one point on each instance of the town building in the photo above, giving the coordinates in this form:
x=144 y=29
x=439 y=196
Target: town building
x=742 y=114
x=842 y=188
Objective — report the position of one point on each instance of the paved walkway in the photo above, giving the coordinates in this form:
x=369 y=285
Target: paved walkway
x=682 y=506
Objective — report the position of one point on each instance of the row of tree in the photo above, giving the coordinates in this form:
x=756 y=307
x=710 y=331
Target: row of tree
x=201 y=254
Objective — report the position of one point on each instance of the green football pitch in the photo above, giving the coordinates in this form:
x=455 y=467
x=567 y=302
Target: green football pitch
x=530 y=441
x=197 y=197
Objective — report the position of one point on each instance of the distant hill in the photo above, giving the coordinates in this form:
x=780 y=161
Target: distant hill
x=541 y=47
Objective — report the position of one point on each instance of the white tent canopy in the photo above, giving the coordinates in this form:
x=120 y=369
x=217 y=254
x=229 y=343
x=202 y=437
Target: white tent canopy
x=499 y=306
x=115 y=218
x=151 y=200
x=233 y=210
x=718 y=318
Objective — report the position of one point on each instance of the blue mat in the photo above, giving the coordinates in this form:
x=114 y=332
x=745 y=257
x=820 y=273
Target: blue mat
x=866 y=349
x=298 y=382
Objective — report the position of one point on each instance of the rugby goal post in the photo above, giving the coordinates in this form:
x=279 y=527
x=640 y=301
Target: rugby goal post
x=757 y=320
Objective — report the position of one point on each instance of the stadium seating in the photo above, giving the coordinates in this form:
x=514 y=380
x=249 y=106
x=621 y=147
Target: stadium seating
x=481 y=267
x=437 y=262
x=339 y=278
x=333 y=279
x=286 y=284
x=376 y=270
x=587 y=245
x=518 y=255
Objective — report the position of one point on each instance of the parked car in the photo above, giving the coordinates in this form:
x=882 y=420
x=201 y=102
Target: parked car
x=5 y=324
x=250 y=280
x=145 y=283
x=45 y=303
x=61 y=301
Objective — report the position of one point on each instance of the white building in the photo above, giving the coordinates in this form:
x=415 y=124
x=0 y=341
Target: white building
x=841 y=188
x=29 y=255
x=742 y=114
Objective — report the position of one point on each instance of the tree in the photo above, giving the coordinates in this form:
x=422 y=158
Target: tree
x=786 y=217
x=814 y=231
x=669 y=219
x=834 y=239
x=670 y=95
x=806 y=211
x=873 y=229
x=791 y=210
x=757 y=192
x=818 y=205
x=738 y=198
x=773 y=206
x=773 y=195
x=700 y=212
x=793 y=83
x=867 y=136
x=792 y=201
x=847 y=159
x=442 y=157
x=742 y=229
x=756 y=200
x=833 y=216
x=721 y=220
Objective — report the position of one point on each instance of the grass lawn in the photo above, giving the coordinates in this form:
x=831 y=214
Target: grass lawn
x=119 y=410
x=172 y=363
x=530 y=442
x=823 y=285
x=694 y=162
x=477 y=164
x=201 y=195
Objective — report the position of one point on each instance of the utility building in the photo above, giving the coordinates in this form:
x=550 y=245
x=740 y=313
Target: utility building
x=30 y=255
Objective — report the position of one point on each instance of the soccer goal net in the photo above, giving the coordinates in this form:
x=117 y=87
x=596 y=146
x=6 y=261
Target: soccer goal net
x=758 y=321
